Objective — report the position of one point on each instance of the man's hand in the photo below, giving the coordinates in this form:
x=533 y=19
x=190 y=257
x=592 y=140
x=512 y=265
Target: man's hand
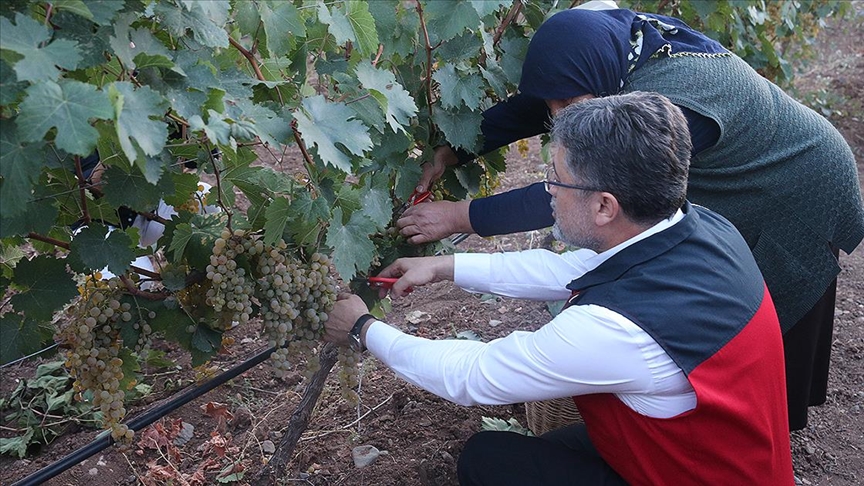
x=413 y=272
x=347 y=309
x=432 y=221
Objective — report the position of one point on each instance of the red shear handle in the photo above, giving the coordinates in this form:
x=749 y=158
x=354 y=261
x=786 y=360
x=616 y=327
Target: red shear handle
x=385 y=283
x=419 y=197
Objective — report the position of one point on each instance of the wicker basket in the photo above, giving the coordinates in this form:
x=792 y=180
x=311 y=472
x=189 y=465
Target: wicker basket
x=547 y=415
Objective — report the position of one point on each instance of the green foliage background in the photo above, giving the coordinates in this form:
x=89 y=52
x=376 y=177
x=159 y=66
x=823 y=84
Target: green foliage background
x=365 y=89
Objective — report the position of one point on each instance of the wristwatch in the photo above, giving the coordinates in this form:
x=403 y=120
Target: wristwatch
x=354 y=333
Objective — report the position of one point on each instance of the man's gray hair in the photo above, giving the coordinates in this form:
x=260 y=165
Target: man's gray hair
x=636 y=146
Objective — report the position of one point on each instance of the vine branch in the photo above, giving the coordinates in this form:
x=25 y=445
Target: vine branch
x=249 y=57
x=82 y=189
x=297 y=137
x=136 y=292
x=275 y=468
x=514 y=11
x=428 y=59
x=66 y=246
x=219 y=186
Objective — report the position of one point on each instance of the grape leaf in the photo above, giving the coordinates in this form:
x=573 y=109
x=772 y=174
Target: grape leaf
x=216 y=128
x=10 y=255
x=461 y=128
x=204 y=18
x=135 y=127
x=104 y=10
x=363 y=26
x=204 y=344
x=21 y=336
x=91 y=250
x=69 y=106
x=446 y=20
x=277 y=215
x=39 y=218
x=194 y=239
x=29 y=38
x=272 y=129
x=308 y=209
x=19 y=169
x=78 y=7
x=337 y=24
x=486 y=7
x=458 y=88
x=397 y=36
x=93 y=41
x=45 y=286
x=129 y=43
x=247 y=17
x=131 y=189
x=461 y=48
x=282 y=24
x=308 y=214
x=514 y=53
x=185 y=184
x=398 y=105
x=324 y=124
x=170 y=321
x=375 y=201
x=353 y=250
x=10 y=88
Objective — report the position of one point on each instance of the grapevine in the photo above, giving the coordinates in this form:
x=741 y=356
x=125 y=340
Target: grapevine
x=170 y=94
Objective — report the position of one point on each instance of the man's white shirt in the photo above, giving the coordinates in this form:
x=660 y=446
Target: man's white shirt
x=585 y=349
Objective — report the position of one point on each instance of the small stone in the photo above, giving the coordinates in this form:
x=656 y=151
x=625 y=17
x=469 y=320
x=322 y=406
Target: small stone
x=810 y=449
x=93 y=471
x=186 y=433
x=268 y=447
x=242 y=417
x=364 y=455
x=494 y=323
x=416 y=317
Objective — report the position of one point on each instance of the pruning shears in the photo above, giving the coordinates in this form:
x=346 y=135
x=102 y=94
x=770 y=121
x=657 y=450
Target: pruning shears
x=384 y=283
x=413 y=200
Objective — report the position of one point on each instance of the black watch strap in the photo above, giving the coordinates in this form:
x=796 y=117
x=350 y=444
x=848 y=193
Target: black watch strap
x=354 y=333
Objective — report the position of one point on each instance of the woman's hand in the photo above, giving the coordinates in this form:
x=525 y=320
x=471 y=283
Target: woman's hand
x=433 y=169
x=432 y=221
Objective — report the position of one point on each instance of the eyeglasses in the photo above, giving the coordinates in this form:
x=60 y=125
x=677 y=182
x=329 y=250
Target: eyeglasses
x=549 y=182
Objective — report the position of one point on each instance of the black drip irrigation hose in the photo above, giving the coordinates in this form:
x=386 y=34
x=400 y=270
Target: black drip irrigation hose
x=142 y=421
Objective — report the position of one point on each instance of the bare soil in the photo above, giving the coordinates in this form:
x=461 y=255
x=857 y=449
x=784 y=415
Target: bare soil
x=237 y=424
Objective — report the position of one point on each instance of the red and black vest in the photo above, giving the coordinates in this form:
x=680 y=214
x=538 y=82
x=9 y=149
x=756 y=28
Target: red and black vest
x=696 y=289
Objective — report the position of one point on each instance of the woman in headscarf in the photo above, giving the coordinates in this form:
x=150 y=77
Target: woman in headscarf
x=776 y=169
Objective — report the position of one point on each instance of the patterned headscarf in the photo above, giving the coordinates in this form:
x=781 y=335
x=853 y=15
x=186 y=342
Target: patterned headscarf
x=577 y=52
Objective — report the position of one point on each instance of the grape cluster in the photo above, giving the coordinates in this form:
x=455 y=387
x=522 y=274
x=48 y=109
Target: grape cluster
x=349 y=360
x=230 y=289
x=295 y=297
x=91 y=339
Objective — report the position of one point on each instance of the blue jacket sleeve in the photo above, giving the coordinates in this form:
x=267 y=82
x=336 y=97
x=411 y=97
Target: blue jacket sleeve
x=524 y=209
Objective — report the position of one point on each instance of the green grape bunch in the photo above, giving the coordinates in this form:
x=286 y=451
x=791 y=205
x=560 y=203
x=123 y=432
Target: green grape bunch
x=91 y=338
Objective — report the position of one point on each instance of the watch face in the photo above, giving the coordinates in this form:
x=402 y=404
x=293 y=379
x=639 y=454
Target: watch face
x=355 y=342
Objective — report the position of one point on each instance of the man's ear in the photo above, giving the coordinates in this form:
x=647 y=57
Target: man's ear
x=607 y=208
